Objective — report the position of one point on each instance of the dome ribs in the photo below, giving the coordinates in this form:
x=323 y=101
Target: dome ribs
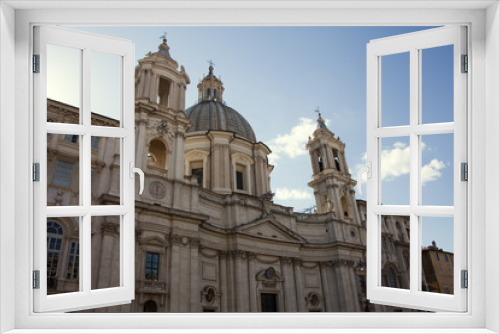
x=215 y=116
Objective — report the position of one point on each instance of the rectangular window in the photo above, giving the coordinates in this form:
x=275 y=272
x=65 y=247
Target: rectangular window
x=71 y=138
x=94 y=142
x=152 y=265
x=63 y=174
x=239 y=181
x=197 y=175
x=72 y=268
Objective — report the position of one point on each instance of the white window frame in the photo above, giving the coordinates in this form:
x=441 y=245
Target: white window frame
x=414 y=43
x=483 y=19
x=85 y=297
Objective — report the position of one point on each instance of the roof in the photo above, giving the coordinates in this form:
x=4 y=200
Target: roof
x=215 y=116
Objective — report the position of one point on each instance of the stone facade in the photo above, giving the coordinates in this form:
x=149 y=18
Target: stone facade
x=209 y=236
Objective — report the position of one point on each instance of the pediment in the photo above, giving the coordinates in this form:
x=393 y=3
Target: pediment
x=153 y=241
x=269 y=228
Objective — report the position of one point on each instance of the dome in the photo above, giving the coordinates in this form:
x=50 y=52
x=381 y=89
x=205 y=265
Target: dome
x=213 y=115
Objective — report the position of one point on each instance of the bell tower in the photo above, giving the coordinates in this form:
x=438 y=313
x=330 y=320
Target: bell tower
x=331 y=181
x=161 y=124
x=159 y=80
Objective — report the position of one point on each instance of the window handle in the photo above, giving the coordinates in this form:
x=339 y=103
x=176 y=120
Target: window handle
x=141 y=175
x=368 y=171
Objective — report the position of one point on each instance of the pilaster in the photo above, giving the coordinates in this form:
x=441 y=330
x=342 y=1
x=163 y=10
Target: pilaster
x=297 y=268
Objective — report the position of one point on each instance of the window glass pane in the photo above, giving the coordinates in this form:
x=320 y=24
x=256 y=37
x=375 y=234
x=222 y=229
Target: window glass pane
x=395 y=89
x=63 y=156
x=105 y=89
x=395 y=170
x=64 y=67
x=152 y=266
x=437 y=84
x=106 y=257
x=105 y=175
x=437 y=171
x=395 y=252
x=63 y=255
x=437 y=254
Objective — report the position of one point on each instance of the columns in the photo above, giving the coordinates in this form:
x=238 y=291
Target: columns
x=231 y=300
x=241 y=280
x=194 y=289
x=147 y=79
x=153 y=88
x=182 y=99
x=180 y=137
x=252 y=283
x=346 y=302
x=297 y=268
x=340 y=211
x=174 y=274
x=343 y=163
x=324 y=157
x=354 y=207
x=326 y=286
x=140 y=155
x=140 y=87
x=220 y=169
x=109 y=257
x=334 y=288
x=354 y=289
x=289 y=294
x=223 y=281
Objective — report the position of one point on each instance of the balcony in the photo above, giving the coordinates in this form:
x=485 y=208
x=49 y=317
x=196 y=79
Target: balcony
x=157 y=170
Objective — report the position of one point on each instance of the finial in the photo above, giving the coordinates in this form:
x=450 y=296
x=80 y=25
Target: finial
x=211 y=68
x=164 y=37
x=317 y=111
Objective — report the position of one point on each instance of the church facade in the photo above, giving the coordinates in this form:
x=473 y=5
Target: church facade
x=209 y=237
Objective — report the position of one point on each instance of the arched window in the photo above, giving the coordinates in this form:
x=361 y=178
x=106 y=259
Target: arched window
x=157 y=154
x=215 y=94
x=320 y=161
x=337 y=163
x=54 y=245
x=336 y=159
x=345 y=206
x=390 y=279
x=208 y=93
x=150 y=306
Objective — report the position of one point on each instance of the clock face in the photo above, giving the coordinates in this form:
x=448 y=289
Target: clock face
x=157 y=190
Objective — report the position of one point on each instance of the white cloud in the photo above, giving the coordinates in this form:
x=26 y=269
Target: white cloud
x=431 y=171
x=395 y=162
x=293 y=144
x=284 y=194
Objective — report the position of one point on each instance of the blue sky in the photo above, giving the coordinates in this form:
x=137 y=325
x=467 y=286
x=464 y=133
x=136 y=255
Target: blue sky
x=277 y=76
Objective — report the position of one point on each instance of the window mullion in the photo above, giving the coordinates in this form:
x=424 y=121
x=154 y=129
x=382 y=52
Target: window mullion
x=414 y=168
x=85 y=173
